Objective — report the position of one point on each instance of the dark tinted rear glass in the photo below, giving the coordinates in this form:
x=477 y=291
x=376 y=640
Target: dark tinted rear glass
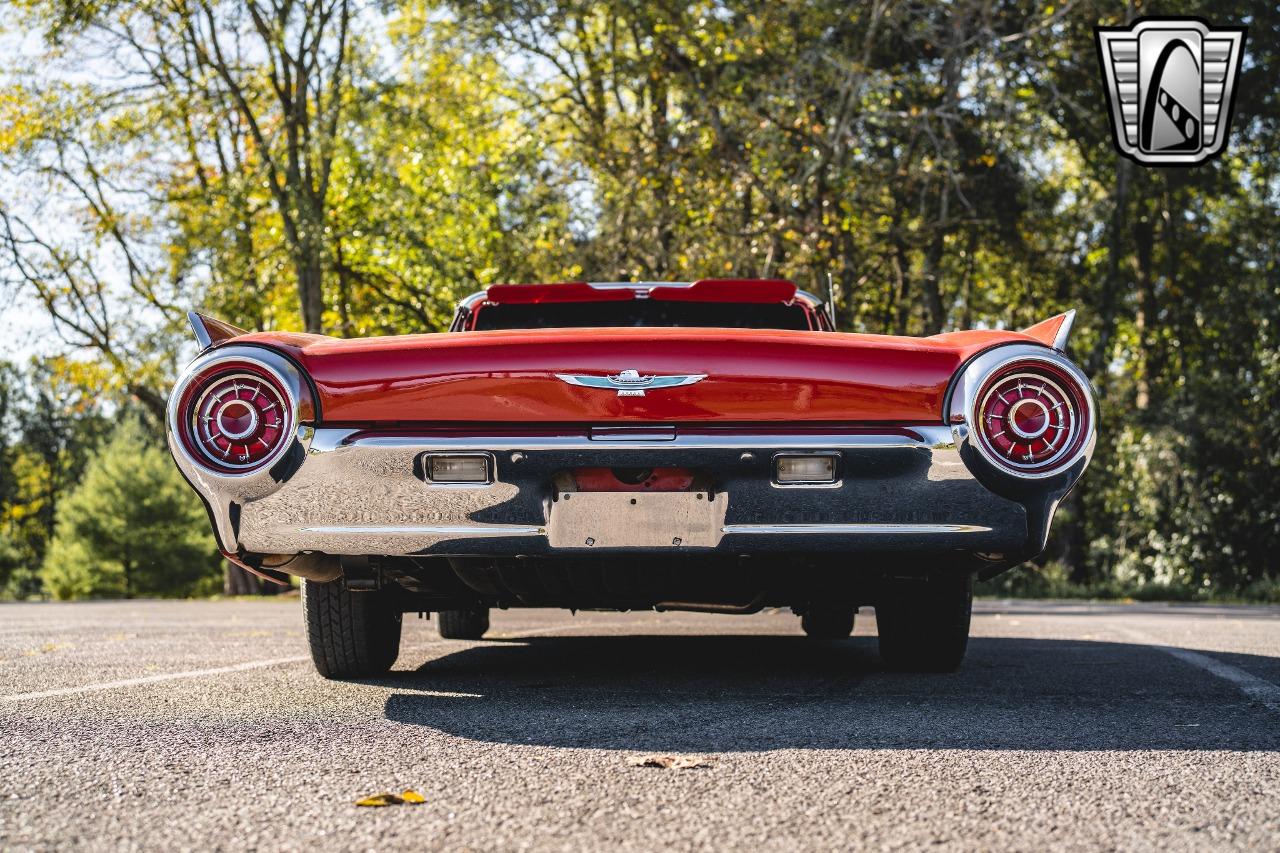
x=642 y=312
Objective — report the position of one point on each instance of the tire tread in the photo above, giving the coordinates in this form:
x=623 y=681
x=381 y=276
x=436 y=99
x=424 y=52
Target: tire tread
x=924 y=626
x=463 y=624
x=351 y=635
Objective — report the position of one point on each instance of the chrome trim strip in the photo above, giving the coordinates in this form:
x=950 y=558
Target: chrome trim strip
x=931 y=438
x=858 y=529
x=491 y=530
x=1064 y=331
x=638 y=285
x=470 y=301
x=813 y=301
x=458 y=531
x=630 y=433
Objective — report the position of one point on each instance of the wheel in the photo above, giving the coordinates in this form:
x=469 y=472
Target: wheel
x=352 y=634
x=464 y=624
x=828 y=623
x=924 y=624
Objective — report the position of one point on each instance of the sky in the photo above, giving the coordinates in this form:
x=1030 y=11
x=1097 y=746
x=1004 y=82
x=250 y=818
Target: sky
x=25 y=330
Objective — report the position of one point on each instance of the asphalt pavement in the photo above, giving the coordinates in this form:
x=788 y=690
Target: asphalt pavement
x=201 y=725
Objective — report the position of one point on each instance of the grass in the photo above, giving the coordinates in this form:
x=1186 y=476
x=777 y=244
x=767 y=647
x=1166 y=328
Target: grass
x=1051 y=581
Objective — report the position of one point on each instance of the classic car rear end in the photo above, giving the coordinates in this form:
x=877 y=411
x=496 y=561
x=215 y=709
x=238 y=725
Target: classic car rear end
x=710 y=446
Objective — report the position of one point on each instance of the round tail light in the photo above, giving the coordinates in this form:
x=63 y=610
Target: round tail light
x=237 y=417
x=1032 y=416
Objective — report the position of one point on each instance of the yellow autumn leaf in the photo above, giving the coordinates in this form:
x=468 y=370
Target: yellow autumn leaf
x=378 y=800
x=412 y=797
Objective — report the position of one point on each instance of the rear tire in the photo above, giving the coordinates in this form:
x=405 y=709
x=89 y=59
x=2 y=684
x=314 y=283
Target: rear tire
x=828 y=623
x=924 y=624
x=352 y=634
x=463 y=624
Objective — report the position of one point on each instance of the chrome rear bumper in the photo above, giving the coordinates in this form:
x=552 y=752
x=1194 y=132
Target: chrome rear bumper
x=350 y=492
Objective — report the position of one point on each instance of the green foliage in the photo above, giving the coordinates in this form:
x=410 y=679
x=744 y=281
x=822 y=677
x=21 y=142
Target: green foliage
x=11 y=562
x=131 y=527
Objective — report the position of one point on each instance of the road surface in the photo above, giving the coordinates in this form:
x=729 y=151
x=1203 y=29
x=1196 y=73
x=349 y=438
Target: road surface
x=182 y=725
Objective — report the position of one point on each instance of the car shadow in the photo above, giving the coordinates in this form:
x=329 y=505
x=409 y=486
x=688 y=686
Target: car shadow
x=752 y=693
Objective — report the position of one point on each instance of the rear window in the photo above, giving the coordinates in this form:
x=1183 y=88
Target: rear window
x=641 y=312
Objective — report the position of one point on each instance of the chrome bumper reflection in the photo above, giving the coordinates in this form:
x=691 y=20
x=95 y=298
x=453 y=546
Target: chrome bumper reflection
x=360 y=493
x=854 y=529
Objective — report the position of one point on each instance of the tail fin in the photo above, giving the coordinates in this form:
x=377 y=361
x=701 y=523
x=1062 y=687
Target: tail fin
x=1054 y=331
x=209 y=331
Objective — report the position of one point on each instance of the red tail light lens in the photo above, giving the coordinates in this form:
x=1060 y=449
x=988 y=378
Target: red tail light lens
x=1032 y=416
x=238 y=417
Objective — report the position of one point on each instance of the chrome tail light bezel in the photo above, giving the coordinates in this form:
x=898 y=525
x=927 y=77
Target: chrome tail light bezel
x=238 y=418
x=190 y=391
x=985 y=374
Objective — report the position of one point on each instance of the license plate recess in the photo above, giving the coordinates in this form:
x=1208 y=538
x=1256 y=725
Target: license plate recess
x=637 y=520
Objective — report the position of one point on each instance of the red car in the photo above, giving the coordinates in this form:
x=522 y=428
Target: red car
x=712 y=446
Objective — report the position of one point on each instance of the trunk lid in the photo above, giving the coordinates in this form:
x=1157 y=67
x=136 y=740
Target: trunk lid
x=515 y=376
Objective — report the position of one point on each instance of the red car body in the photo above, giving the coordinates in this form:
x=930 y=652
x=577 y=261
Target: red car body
x=727 y=449
x=754 y=375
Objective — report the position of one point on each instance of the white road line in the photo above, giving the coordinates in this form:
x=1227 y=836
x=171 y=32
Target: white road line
x=1258 y=689
x=150 y=679
x=514 y=634
x=240 y=667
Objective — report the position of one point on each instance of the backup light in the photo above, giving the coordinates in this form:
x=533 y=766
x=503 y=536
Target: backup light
x=458 y=469
x=797 y=469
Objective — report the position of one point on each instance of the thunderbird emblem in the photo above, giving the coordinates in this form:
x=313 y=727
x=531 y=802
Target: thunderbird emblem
x=1170 y=86
x=629 y=383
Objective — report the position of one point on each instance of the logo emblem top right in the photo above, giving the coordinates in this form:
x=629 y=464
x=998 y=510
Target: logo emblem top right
x=1170 y=86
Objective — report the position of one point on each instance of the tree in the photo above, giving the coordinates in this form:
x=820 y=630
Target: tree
x=131 y=527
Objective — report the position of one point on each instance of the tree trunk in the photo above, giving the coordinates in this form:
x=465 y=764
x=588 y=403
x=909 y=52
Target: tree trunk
x=310 y=295
x=1111 y=285
x=931 y=271
x=344 y=292
x=966 y=288
x=236 y=581
x=1156 y=355
x=902 y=270
x=1074 y=547
x=1143 y=241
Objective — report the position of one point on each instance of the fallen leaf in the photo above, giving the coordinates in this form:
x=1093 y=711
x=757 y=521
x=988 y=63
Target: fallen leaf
x=671 y=762
x=413 y=798
x=383 y=799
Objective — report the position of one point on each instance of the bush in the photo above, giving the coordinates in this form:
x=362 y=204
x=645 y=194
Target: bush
x=131 y=527
x=11 y=562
